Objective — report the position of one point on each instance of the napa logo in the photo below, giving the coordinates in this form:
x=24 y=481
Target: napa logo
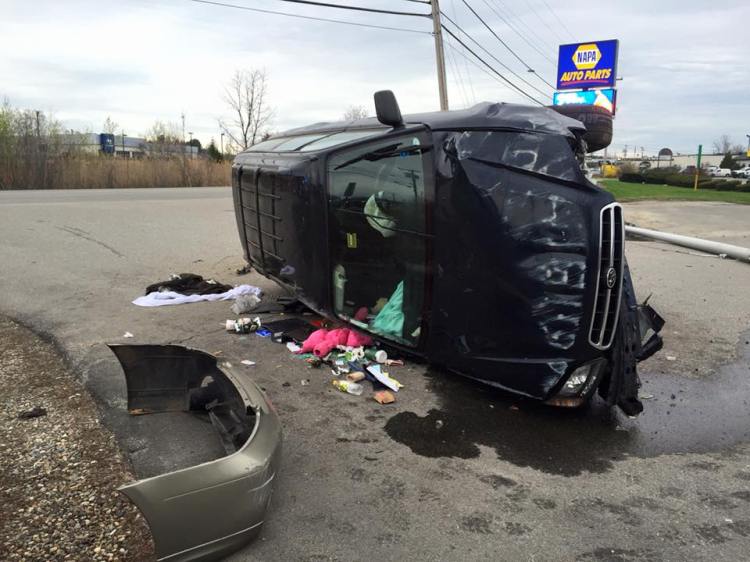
x=586 y=56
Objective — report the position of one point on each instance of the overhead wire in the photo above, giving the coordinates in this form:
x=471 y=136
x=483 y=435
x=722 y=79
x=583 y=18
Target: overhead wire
x=541 y=19
x=355 y=8
x=492 y=68
x=523 y=62
x=457 y=78
x=466 y=65
x=562 y=23
x=501 y=6
x=493 y=57
x=517 y=31
x=463 y=55
x=313 y=18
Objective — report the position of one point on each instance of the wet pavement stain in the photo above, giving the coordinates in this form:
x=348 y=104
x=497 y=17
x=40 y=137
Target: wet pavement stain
x=684 y=416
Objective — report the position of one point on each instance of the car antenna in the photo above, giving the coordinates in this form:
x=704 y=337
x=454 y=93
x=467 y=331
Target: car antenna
x=387 y=109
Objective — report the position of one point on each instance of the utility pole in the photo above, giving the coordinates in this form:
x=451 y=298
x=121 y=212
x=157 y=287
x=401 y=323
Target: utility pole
x=437 y=31
x=182 y=115
x=222 y=145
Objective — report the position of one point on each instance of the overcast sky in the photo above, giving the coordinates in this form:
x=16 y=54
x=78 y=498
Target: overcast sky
x=684 y=64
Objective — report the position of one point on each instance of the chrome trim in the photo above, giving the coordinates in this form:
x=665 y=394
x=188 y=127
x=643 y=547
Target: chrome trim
x=605 y=335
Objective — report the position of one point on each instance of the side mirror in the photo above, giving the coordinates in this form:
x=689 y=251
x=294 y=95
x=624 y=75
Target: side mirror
x=387 y=109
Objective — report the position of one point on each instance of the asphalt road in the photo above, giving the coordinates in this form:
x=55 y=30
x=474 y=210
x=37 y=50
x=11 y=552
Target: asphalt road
x=498 y=478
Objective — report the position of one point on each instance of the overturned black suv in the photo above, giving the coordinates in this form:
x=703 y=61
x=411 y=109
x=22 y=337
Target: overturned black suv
x=469 y=238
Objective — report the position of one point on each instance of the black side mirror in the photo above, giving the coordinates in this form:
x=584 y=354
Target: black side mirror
x=387 y=109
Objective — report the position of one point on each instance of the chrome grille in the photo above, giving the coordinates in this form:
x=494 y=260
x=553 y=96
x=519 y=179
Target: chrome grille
x=608 y=277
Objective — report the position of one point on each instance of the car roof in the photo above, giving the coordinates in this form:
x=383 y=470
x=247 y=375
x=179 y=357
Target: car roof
x=485 y=115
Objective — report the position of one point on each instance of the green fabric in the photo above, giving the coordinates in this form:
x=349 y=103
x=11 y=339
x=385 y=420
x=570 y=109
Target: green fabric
x=390 y=320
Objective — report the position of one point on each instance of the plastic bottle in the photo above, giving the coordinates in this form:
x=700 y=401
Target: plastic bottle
x=339 y=287
x=348 y=386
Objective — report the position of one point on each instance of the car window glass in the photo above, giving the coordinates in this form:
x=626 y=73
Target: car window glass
x=338 y=138
x=550 y=155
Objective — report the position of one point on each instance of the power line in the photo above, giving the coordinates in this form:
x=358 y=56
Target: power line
x=523 y=62
x=485 y=63
x=518 y=32
x=548 y=26
x=475 y=63
x=457 y=79
x=466 y=65
x=532 y=32
x=328 y=20
x=493 y=57
x=562 y=23
x=356 y=8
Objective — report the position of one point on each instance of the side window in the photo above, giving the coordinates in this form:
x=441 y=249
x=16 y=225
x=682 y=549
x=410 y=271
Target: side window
x=377 y=210
x=550 y=155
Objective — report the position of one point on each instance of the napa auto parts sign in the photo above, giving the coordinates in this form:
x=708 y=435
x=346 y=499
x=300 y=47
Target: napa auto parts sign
x=587 y=65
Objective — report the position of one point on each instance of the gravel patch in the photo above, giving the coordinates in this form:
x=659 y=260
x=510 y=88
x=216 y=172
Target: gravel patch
x=59 y=468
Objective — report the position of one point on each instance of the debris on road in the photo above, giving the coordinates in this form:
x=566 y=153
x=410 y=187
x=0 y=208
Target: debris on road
x=35 y=412
x=384 y=397
x=127 y=335
x=247 y=362
x=189 y=287
x=348 y=386
x=245 y=303
x=243 y=325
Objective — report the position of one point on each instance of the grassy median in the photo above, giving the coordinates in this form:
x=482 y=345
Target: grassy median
x=640 y=191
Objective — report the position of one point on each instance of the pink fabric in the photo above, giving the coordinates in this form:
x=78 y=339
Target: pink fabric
x=322 y=342
x=312 y=340
x=356 y=339
x=361 y=314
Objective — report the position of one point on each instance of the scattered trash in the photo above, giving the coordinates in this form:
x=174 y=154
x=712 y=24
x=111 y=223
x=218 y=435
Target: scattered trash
x=356 y=376
x=247 y=362
x=290 y=329
x=322 y=342
x=514 y=408
x=645 y=396
x=263 y=332
x=394 y=362
x=189 y=287
x=293 y=347
x=383 y=378
x=438 y=424
x=314 y=362
x=244 y=270
x=671 y=358
x=378 y=355
x=287 y=383
x=127 y=335
x=305 y=382
x=348 y=386
x=243 y=325
x=35 y=412
x=384 y=397
x=245 y=303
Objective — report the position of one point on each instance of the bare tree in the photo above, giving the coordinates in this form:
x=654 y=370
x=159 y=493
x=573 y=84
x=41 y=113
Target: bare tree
x=246 y=98
x=109 y=126
x=723 y=144
x=355 y=112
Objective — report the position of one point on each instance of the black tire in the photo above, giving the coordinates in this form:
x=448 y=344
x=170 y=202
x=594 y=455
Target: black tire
x=598 y=122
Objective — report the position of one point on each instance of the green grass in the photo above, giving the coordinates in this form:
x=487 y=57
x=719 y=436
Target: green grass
x=638 y=192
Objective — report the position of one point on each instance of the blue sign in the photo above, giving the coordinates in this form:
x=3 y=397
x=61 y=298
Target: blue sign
x=601 y=98
x=587 y=65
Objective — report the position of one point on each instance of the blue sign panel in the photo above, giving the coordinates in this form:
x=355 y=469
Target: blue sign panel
x=602 y=98
x=587 y=65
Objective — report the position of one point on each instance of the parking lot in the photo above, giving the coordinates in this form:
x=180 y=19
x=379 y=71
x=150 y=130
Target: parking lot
x=452 y=470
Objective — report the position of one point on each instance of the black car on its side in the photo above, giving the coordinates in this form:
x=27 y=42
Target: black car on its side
x=469 y=238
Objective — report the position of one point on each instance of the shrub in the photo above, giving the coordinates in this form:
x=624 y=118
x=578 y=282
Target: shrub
x=679 y=180
x=632 y=177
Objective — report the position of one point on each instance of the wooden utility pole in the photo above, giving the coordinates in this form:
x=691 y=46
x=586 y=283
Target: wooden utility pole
x=437 y=31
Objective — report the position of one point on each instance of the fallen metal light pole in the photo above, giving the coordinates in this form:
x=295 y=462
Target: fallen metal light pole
x=730 y=250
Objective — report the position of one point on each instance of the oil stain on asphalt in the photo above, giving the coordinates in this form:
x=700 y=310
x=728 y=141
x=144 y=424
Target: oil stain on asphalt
x=682 y=416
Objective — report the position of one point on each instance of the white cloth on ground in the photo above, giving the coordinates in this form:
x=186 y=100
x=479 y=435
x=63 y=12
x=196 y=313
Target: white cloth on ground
x=170 y=297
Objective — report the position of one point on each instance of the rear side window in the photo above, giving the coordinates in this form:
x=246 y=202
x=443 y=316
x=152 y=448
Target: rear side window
x=549 y=155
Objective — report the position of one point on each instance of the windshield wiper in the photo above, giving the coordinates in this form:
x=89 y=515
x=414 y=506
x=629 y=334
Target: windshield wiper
x=387 y=152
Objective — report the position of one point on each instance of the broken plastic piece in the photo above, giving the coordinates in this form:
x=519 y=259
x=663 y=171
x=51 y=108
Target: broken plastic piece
x=384 y=397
